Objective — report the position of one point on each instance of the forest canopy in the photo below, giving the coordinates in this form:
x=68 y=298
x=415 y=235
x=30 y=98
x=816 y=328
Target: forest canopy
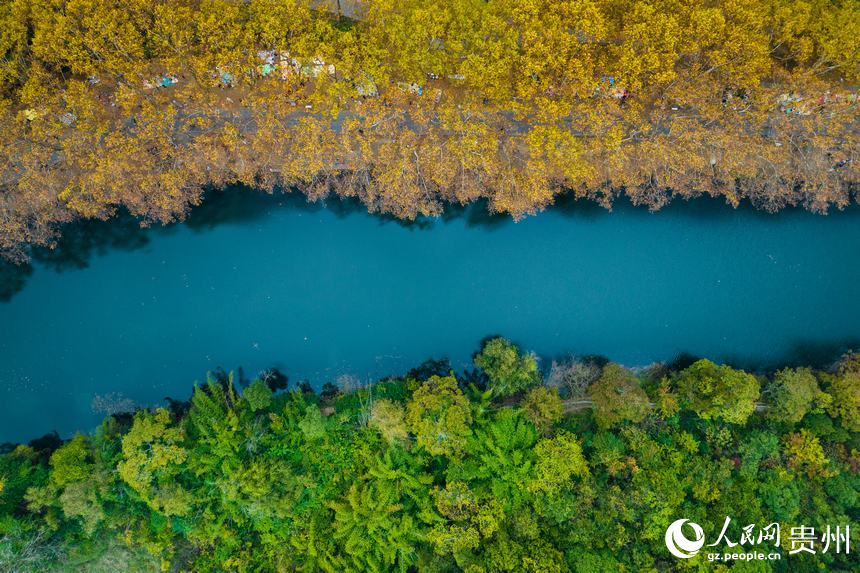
x=580 y=470
x=142 y=104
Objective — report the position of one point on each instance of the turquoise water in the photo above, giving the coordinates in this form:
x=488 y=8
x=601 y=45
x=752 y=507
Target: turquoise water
x=256 y=281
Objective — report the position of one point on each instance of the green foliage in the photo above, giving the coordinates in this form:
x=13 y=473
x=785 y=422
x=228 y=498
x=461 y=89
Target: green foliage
x=388 y=418
x=805 y=453
x=543 y=407
x=152 y=458
x=845 y=391
x=434 y=480
x=19 y=470
x=69 y=463
x=439 y=416
x=258 y=395
x=557 y=461
x=618 y=397
x=312 y=424
x=81 y=500
x=499 y=458
x=793 y=392
x=375 y=531
x=718 y=392
x=509 y=371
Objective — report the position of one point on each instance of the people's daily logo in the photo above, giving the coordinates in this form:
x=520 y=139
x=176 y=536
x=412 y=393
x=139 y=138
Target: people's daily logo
x=679 y=544
x=742 y=541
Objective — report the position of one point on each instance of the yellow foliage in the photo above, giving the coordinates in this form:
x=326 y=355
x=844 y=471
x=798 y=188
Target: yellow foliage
x=521 y=100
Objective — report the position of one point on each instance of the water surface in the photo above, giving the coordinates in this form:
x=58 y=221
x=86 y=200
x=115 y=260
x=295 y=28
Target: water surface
x=258 y=282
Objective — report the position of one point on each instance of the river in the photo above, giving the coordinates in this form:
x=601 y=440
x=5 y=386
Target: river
x=257 y=281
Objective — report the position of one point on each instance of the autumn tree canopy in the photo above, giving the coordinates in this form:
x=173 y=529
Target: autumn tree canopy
x=411 y=104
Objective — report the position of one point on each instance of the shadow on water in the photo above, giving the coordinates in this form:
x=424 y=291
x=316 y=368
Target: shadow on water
x=239 y=205
x=821 y=354
x=13 y=278
x=77 y=245
x=475 y=215
x=681 y=361
x=705 y=208
x=814 y=353
x=44 y=446
x=80 y=241
x=806 y=353
x=570 y=207
x=817 y=353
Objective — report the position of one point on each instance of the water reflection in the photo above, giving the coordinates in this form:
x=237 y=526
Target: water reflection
x=74 y=250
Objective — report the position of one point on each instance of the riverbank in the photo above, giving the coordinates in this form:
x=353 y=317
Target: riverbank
x=486 y=469
x=364 y=108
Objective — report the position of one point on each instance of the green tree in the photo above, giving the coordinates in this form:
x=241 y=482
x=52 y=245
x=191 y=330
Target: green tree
x=508 y=370
x=20 y=469
x=153 y=458
x=74 y=487
x=543 y=407
x=718 y=392
x=258 y=395
x=71 y=462
x=312 y=424
x=792 y=393
x=617 y=397
x=805 y=453
x=374 y=531
x=439 y=416
x=499 y=458
x=845 y=393
x=388 y=418
x=557 y=461
x=81 y=500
